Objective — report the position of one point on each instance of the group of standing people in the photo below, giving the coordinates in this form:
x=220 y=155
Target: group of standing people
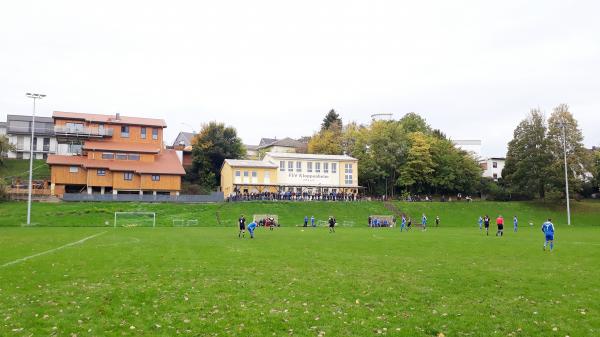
x=485 y=223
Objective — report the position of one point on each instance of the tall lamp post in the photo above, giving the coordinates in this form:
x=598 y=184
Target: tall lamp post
x=562 y=125
x=34 y=97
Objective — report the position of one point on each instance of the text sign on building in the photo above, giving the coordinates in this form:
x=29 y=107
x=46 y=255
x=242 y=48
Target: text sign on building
x=310 y=179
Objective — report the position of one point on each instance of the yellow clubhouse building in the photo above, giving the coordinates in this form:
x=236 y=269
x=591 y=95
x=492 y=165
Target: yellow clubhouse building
x=298 y=173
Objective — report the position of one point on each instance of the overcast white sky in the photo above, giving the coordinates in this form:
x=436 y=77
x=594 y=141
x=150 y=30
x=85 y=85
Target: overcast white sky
x=274 y=68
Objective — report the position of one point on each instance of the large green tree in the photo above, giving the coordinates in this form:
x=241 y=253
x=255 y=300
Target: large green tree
x=416 y=173
x=5 y=147
x=210 y=148
x=332 y=121
x=579 y=160
x=528 y=158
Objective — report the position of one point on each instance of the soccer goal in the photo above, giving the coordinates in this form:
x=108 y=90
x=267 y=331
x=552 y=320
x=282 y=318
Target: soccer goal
x=185 y=223
x=382 y=220
x=266 y=219
x=135 y=219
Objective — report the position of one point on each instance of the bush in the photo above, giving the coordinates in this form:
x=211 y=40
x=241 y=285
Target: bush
x=553 y=195
x=3 y=190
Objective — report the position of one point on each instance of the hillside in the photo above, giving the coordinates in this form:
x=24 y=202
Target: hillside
x=13 y=168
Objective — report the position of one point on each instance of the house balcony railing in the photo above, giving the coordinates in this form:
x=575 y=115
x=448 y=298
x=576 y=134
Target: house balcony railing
x=82 y=132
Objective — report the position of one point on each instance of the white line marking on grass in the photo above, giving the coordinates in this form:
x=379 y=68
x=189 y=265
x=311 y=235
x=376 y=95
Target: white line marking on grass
x=50 y=251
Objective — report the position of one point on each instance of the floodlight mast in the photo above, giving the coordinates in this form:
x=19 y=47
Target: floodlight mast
x=562 y=125
x=34 y=97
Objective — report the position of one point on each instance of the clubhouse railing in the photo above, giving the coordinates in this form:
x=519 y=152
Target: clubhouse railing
x=213 y=197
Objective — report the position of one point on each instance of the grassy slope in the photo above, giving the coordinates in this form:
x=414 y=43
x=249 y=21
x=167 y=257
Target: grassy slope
x=292 y=213
x=20 y=168
x=357 y=282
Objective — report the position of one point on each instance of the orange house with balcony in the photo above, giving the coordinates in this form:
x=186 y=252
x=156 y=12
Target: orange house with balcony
x=112 y=154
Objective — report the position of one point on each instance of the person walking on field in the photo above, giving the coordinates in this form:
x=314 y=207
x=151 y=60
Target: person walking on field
x=480 y=222
x=312 y=221
x=437 y=221
x=486 y=224
x=251 y=228
x=548 y=229
x=331 y=224
x=403 y=223
x=409 y=224
x=500 y=224
x=424 y=222
x=515 y=223
x=242 y=224
x=306 y=221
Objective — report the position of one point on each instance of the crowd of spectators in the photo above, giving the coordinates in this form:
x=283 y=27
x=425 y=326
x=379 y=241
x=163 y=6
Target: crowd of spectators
x=293 y=196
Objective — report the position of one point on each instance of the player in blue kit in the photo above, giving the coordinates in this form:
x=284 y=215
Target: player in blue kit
x=480 y=222
x=312 y=221
x=251 y=228
x=403 y=223
x=515 y=223
x=548 y=229
x=424 y=222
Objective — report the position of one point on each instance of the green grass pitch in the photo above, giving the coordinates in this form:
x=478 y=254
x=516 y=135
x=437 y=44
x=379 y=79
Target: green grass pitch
x=294 y=281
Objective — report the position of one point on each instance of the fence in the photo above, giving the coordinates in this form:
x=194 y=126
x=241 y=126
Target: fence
x=213 y=197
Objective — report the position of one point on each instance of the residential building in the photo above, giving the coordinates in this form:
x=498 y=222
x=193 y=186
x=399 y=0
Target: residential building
x=290 y=172
x=492 y=167
x=18 y=131
x=275 y=145
x=112 y=154
x=183 y=145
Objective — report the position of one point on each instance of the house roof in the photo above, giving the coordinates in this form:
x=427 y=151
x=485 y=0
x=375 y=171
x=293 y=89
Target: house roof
x=285 y=142
x=166 y=162
x=309 y=156
x=186 y=137
x=266 y=141
x=27 y=118
x=121 y=146
x=110 y=119
x=249 y=163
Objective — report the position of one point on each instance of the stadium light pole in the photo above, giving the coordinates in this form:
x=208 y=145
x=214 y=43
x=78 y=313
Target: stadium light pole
x=561 y=124
x=34 y=97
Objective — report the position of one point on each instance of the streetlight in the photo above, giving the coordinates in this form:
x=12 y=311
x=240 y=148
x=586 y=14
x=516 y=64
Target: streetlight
x=34 y=97
x=562 y=125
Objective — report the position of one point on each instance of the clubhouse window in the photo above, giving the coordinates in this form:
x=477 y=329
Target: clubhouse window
x=495 y=164
x=108 y=155
x=309 y=167
x=143 y=133
x=282 y=165
x=154 y=133
x=325 y=167
x=333 y=167
x=317 y=167
x=155 y=177
x=290 y=166
x=133 y=156
x=73 y=169
x=128 y=176
x=348 y=168
x=298 y=166
x=101 y=172
x=348 y=179
x=125 y=131
x=121 y=156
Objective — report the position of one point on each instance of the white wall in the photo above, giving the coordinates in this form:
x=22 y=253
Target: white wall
x=491 y=170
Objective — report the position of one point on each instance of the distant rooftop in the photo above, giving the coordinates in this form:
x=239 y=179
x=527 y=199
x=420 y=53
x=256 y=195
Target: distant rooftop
x=310 y=156
x=249 y=163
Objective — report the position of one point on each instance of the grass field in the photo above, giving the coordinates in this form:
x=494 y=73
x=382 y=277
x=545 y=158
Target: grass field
x=81 y=280
x=19 y=168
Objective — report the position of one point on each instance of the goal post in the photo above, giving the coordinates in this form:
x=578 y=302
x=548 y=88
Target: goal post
x=135 y=219
x=383 y=220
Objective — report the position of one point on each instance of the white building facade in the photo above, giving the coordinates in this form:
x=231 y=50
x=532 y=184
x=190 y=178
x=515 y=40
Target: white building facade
x=492 y=167
x=18 y=132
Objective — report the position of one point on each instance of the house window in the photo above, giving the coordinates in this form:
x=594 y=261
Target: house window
x=154 y=133
x=267 y=178
x=101 y=172
x=46 y=144
x=495 y=164
x=143 y=133
x=333 y=167
x=155 y=177
x=121 y=156
x=75 y=148
x=238 y=176
x=290 y=166
x=237 y=173
x=317 y=167
x=128 y=176
x=348 y=174
x=495 y=175
x=246 y=177
x=325 y=167
x=133 y=156
x=108 y=155
x=309 y=166
x=282 y=165
x=254 y=177
x=125 y=131
x=73 y=169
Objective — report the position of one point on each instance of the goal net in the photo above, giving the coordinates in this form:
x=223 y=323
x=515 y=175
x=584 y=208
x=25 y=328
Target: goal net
x=382 y=220
x=135 y=219
x=185 y=222
x=266 y=219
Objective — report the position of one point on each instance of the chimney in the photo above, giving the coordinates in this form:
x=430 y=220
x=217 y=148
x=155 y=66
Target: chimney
x=117 y=116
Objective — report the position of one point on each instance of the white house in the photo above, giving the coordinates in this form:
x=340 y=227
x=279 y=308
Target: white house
x=492 y=167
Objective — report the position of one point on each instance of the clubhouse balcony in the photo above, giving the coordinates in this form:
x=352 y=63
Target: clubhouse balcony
x=81 y=132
